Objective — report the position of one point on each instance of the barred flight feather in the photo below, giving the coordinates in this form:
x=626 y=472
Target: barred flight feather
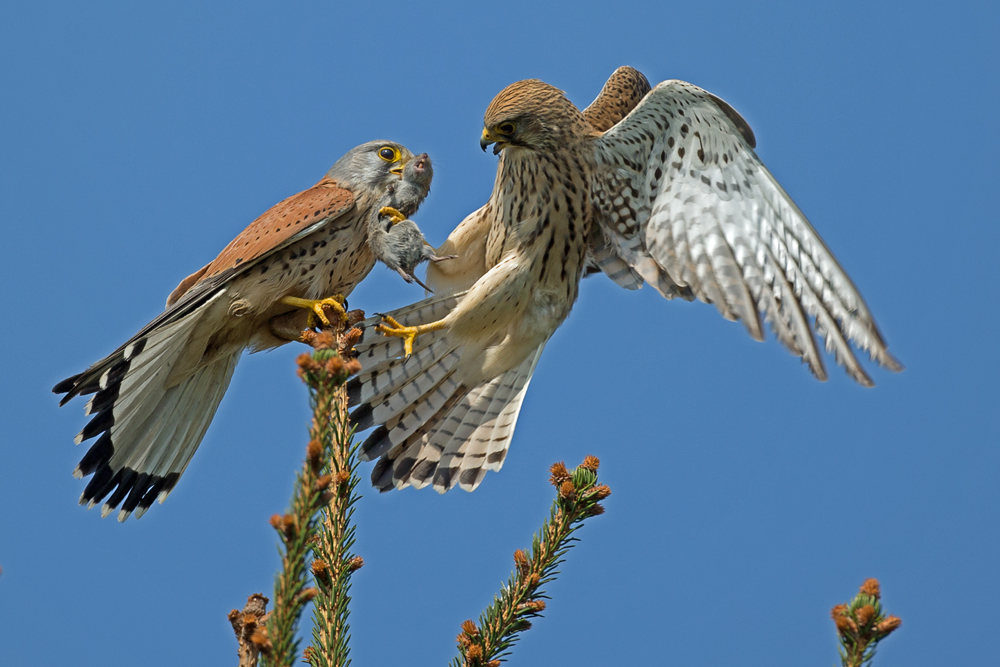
x=714 y=218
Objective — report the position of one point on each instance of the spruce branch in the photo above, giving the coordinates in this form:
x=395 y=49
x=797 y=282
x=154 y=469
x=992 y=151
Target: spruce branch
x=521 y=599
x=325 y=372
x=862 y=624
x=296 y=529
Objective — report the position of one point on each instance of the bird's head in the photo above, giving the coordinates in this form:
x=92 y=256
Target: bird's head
x=531 y=114
x=372 y=166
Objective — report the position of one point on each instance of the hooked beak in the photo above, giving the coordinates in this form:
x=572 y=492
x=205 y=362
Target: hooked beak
x=398 y=169
x=488 y=138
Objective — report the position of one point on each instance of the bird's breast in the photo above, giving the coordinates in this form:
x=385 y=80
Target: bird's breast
x=332 y=260
x=544 y=214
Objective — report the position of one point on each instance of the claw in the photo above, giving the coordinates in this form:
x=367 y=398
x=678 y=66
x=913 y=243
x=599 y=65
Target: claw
x=395 y=216
x=391 y=327
x=316 y=308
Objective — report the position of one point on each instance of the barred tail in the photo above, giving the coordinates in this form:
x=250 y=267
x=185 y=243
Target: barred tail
x=146 y=431
x=433 y=429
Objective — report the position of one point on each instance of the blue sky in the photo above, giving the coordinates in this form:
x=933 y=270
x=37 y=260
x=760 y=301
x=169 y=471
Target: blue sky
x=748 y=498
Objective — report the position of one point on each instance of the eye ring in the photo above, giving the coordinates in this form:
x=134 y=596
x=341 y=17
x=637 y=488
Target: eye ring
x=388 y=153
x=506 y=128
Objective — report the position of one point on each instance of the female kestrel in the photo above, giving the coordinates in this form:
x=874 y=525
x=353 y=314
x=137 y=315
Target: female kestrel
x=673 y=194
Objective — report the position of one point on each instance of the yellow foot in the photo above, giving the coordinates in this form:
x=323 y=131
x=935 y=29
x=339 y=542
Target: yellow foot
x=394 y=215
x=315 y=306
x=391 y=327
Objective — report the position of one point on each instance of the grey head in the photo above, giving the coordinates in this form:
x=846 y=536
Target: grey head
x=397 y=241
x=367 y=170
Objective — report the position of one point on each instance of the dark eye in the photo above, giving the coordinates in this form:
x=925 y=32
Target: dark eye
x=506 y=128
x=388 y=154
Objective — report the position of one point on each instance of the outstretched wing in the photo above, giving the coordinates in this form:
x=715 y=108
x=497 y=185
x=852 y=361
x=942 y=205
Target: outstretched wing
x=621 y=93
x=688 y=204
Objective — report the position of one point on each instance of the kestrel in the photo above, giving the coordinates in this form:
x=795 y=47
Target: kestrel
x=155 y=396
x=672 y=194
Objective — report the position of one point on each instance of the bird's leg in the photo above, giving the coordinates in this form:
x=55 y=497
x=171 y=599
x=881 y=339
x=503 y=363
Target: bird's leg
x=391 y=327
x=434 y=258
x=395 y=216
x=315 y=306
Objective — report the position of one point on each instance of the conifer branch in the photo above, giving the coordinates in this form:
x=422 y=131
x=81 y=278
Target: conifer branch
x=325 y=372
x=296 y=530
x=862 y=624
x=578 y=496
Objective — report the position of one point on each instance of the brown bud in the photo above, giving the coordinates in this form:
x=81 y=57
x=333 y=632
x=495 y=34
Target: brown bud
x=355 y=316
x=601 y=491
x=493 y=663
x=323 y=340
x=319 y=568
x=351 y=336
x=307 y=655
x=559 y=474
x=323 y=482
x=567 y=490
x=275 y=521
x=888 y=625
x=306 y=363
x=288 y=524
x=309 y=593
x=260 y=639
x=865 y=615
x=871 y=587
x=341 y=477
x=596 y=510
x=522 y=562
x=591 y=463
x=474 y=653
x=353 y=367
x=335 y=366
x=533 y=606
x=463 y=640
x=534 y=580
x=314 y=452
x=356 y=563
x=838 y=610
x=845 y=625
x=469 y=628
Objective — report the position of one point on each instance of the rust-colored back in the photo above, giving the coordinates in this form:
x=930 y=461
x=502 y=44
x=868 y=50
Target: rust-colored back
x=281 y=222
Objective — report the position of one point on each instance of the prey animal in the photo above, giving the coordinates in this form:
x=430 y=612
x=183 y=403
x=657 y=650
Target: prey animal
x=154 y=397
x=395 y=239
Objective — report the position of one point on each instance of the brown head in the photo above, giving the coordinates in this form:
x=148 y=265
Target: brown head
x=532 y=114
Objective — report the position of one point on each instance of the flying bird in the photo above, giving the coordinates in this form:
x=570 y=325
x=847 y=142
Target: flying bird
x=155 y=396
x=656 y=186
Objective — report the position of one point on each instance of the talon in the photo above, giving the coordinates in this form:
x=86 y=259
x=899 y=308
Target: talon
x=395 y=216
x=391 y=327
x=315 y=307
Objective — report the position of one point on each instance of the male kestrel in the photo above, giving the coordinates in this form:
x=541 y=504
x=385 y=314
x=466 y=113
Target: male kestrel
x=672 y=194
x=155 y=396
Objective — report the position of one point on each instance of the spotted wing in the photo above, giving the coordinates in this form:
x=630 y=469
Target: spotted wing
x=689 y=205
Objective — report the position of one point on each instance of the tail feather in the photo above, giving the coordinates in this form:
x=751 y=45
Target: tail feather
x=146 y=431
x=465 y=434
x=434 y=430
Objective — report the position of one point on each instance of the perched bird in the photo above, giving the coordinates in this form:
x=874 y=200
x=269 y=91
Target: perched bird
x=394 y=239
x=155 y=396
x=672 y=194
